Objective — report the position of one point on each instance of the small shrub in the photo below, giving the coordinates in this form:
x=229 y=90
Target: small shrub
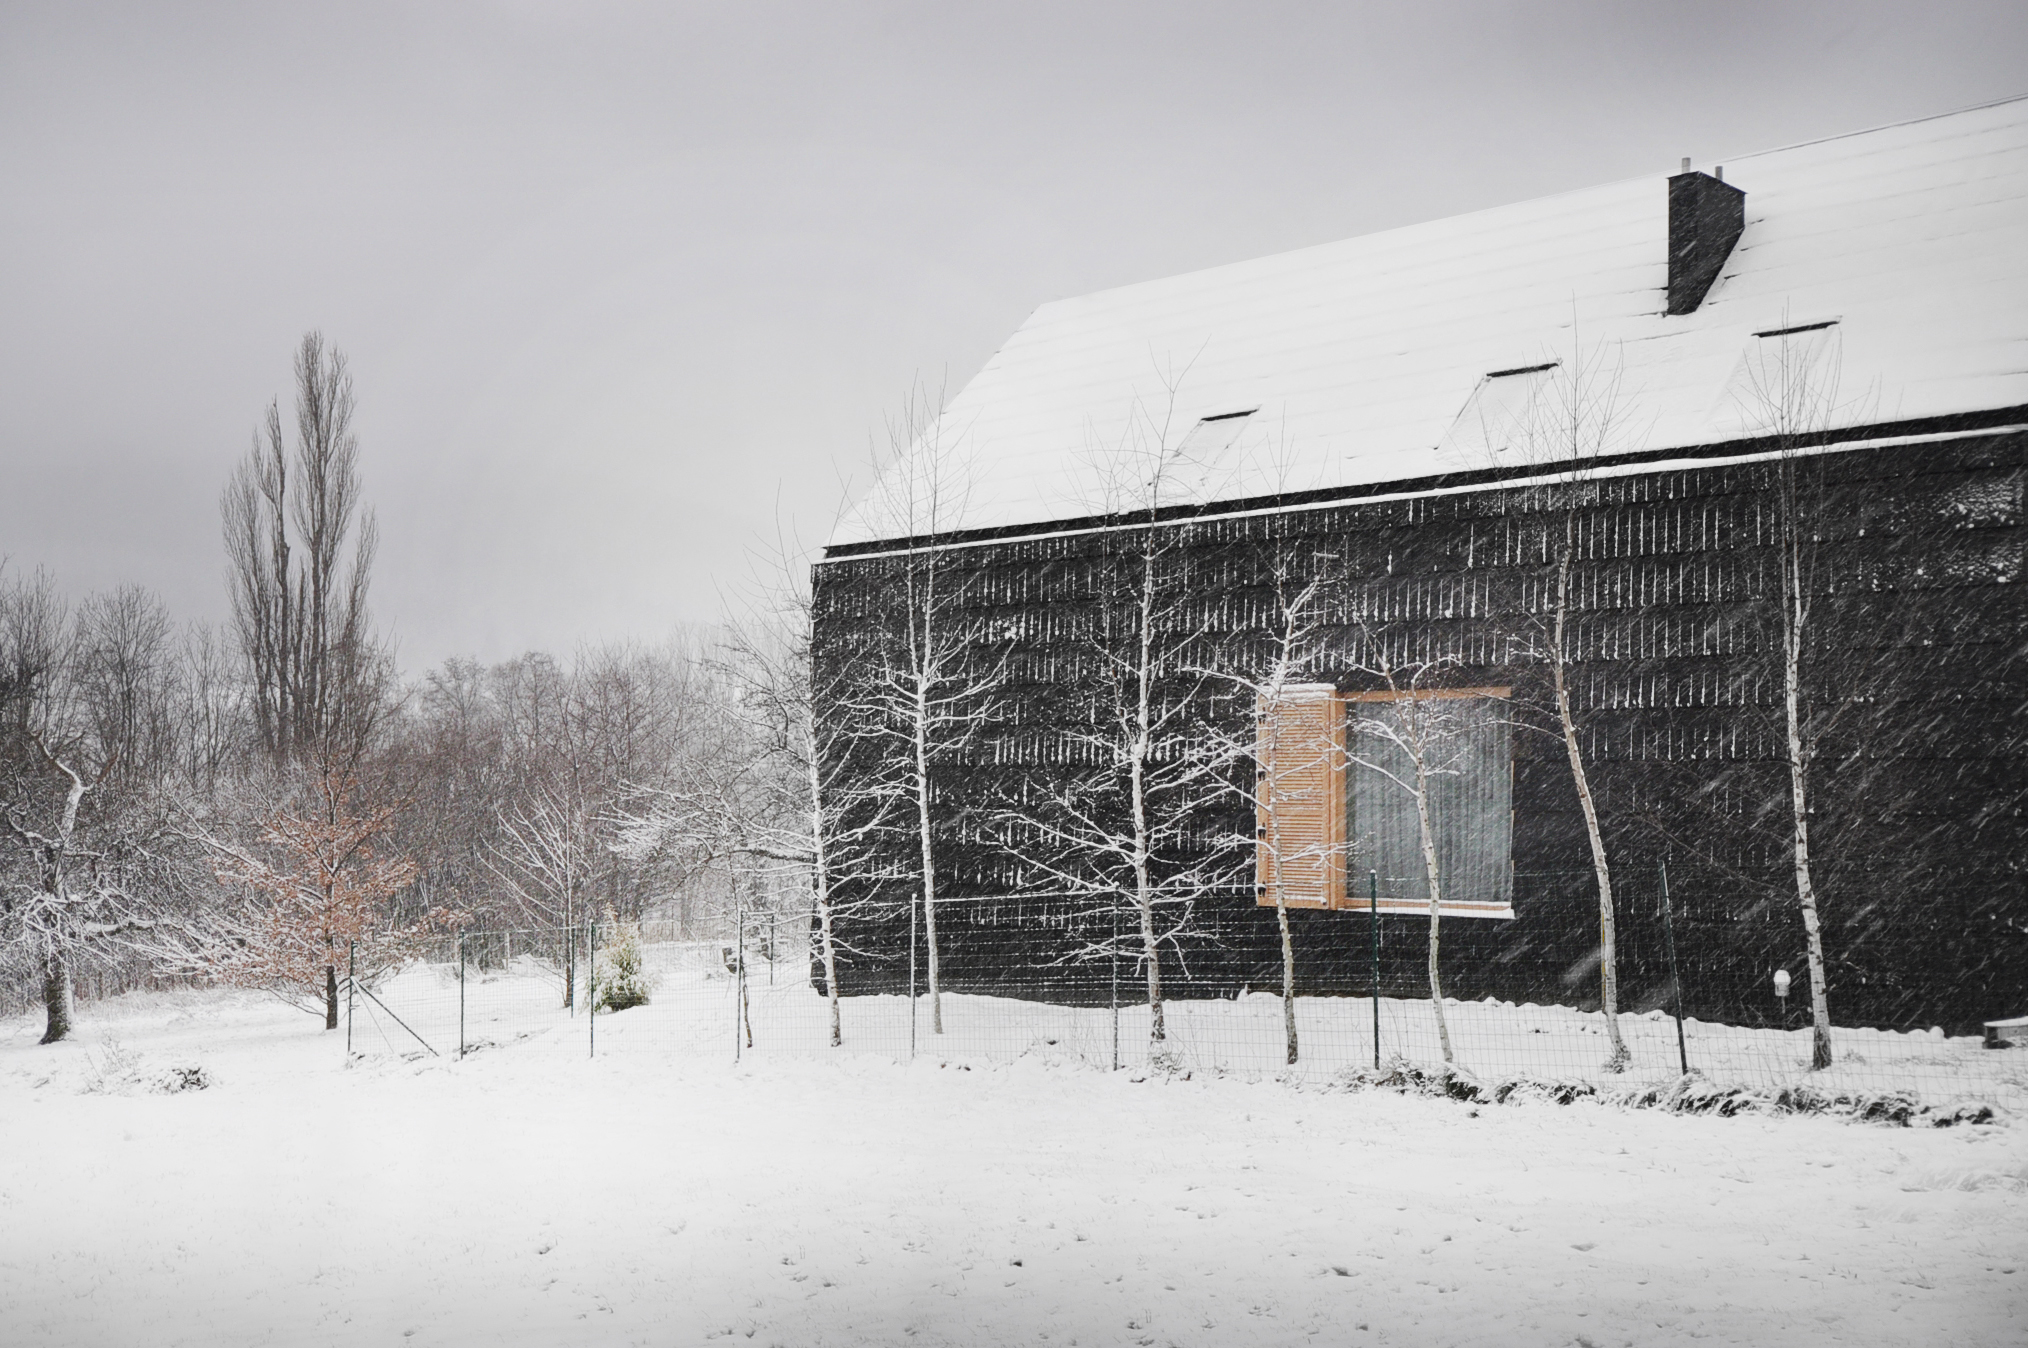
x=619 y=979
x=113 y=1070
x=177 y=1080
x=1689 y=1094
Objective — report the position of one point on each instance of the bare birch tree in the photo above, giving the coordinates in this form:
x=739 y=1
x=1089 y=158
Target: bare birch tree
x=1290 y=759
x=1408 y=735
x=934 y=688
x=1577 y=418
x=1791 y=395
x=779 y=792
x=1297 y=745
x=1560 y=417
x=1132 y=824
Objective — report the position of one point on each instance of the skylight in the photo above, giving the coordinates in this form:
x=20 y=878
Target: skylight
x=1207 y=459
x=1210 y=438
x=1786 y=376
x=1497 y=419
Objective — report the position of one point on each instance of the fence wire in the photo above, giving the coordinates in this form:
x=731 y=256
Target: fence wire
x=533 y=992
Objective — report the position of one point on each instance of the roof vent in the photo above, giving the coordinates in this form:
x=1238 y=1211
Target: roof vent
x=1706 y=217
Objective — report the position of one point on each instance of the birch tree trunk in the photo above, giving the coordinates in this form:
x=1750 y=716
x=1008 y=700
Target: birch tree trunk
x=1144 y=900
x=823 y=889
x=1143 y=732
x=1795 y=614
x=1288 y=973
x=1608 y=937
x=929 y=869
x=1429 y=861
x=1276 y=856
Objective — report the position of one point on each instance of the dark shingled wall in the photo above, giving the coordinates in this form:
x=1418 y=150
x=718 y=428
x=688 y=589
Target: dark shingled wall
x=1917 y=635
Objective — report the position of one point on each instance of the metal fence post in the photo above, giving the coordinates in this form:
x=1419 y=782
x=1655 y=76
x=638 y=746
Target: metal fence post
x=1373 y=903
x=1114 y=992
x=1675 y=977
x=913 y=901
x=738 y=965
x=461 y=996
x=591 y=984
x=351 y=982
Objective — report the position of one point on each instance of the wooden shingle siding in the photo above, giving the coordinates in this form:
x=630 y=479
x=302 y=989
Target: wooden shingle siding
x=1919 y=624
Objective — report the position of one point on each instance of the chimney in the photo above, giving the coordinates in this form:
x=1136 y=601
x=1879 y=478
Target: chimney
x=1706 y=216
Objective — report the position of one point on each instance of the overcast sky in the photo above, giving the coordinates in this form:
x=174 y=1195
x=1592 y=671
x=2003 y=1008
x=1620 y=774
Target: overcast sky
x=622 y=283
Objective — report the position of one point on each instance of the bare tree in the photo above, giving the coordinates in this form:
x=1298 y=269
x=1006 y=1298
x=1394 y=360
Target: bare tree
x=63 y=903
x=578 y=752
x=798 y=770
x=775 y=787
x=1409 y=735
x=321 y=896
x=776 y=797
x=1791 y=395
x=210 y=713
x=1577 y=418
x=1560 y=416
x=35 y=636
x=934 y=690
x=1297 y=749
x=125 y=679
x=1131 y=823
x=82 y=707
x=551 y=853
x=1286 y=757
x=298 y=600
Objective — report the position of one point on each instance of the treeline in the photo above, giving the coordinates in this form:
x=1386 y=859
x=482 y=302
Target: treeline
x=258 y=803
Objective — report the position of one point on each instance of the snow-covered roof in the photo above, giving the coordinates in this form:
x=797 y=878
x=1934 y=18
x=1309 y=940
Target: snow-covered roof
x=1361 y=356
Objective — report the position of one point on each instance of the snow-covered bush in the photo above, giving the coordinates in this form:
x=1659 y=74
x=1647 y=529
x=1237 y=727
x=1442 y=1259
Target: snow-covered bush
x=619 y=979
x=177 y=1080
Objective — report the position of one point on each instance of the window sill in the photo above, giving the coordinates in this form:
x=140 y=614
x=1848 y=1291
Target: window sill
x=1420 y=908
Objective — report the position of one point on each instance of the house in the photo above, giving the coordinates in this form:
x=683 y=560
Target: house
x=1705 y=418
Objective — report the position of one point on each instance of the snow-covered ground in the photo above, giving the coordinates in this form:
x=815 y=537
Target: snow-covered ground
x=694 y=1011
x=530 y=1195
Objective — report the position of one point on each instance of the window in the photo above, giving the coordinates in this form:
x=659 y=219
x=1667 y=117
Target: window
x=1497 y=419
x=1465 y=741
x=1299 y=794
x=1335 y=799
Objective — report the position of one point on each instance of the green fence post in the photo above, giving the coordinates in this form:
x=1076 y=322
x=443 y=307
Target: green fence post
x=1373 y=904
x=1675 y=977
x=351 y=981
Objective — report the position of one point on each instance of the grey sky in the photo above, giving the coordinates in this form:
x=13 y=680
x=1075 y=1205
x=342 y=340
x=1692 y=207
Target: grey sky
x=616 y=280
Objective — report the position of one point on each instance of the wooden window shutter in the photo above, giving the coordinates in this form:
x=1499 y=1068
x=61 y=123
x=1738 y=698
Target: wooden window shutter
x=1299 y=810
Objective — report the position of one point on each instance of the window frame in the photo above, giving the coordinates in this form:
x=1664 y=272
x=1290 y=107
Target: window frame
x=1335 y=891
x=1448 y=907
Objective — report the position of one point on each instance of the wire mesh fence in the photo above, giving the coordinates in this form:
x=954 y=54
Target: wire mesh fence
x=535 y=991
